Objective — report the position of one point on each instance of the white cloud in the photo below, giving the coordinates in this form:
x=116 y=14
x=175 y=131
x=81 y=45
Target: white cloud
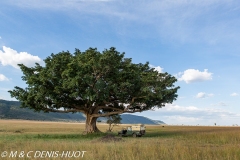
x=3 y=78
x=193 y=75
x=174 y=108
x=11 y=57
x=192 y=110
x=158 y=68
x=192 y=115
x=203 y=95
x=234 y=94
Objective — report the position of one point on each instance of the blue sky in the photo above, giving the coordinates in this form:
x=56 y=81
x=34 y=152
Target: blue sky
x=195 y=40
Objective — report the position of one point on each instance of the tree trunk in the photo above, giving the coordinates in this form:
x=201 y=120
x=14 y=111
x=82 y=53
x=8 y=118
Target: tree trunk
x=91 y=125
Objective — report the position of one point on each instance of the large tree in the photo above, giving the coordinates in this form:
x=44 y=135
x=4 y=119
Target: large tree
x=94 y=83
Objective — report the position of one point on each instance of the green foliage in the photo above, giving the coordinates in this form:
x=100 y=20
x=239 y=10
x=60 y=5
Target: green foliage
x=97 y=84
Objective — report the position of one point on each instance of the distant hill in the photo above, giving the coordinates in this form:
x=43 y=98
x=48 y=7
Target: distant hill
x=133 y=119
x=12 y=110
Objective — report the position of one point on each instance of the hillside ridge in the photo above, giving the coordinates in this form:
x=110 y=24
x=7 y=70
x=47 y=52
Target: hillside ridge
x=12 y=110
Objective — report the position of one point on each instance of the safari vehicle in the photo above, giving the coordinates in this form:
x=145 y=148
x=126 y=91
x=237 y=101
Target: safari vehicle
x=134 y=130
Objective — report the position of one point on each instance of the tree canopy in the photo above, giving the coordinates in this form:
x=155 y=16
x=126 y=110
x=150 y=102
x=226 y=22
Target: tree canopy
x=94 y=83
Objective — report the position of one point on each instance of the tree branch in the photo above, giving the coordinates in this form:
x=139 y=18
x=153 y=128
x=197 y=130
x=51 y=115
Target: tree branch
x=117 y=112
x=133 y=99
x=106 y=114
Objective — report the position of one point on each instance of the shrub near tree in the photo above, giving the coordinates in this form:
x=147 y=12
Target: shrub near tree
x=112 y=121
x=96 y=84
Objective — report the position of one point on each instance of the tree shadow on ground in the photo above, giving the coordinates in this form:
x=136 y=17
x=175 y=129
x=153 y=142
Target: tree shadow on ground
x=68 y=136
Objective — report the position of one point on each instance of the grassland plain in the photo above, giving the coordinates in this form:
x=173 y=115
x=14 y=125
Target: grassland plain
x=159 y=143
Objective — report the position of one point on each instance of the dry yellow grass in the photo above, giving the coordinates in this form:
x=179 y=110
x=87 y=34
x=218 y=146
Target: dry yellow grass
x=169 y=142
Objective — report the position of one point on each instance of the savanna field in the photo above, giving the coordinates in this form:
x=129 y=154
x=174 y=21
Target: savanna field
x=168 y=142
